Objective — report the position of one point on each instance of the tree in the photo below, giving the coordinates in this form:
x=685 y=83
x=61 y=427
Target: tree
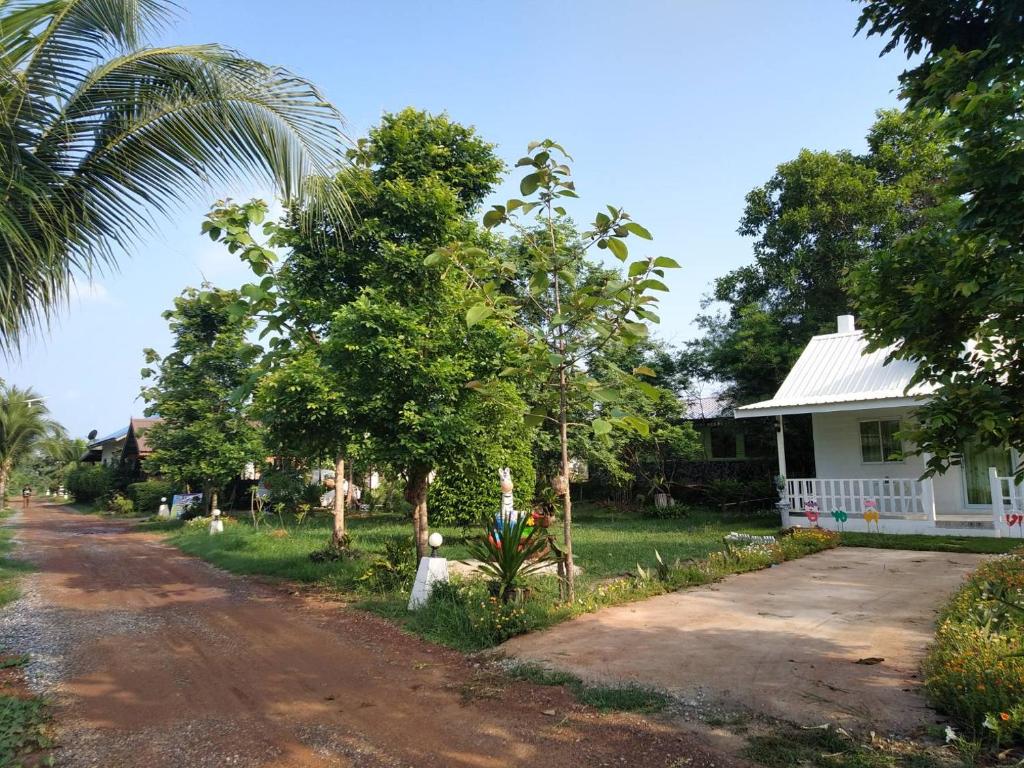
x=959 y=278
x=382 y=326
x=299 y=404
x=206 y=436
x=98 y=130
x=24 y=423
x=578 y=319
x=819 y=215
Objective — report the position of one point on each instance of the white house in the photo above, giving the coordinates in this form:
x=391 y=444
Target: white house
x=857 y=402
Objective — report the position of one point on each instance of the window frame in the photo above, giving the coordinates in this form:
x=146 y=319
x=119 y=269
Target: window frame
x=881 y=442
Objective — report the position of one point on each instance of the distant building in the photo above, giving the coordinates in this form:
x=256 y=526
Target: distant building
x=723 y=437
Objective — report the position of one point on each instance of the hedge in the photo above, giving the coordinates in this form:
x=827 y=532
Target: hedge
x=147 y=494
x=89 y=482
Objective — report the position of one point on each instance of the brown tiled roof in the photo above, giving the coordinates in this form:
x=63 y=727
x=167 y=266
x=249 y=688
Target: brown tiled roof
x=138 y=428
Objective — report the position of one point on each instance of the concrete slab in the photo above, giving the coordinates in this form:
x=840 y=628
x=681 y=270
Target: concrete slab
x=785 y=641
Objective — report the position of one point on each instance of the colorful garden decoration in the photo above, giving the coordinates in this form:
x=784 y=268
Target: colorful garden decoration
x=1015 y=518
x=811 y=511
x=840 y=517
x=871 y=514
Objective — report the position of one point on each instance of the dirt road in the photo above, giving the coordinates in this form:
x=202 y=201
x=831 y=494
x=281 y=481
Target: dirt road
x=835 y=637
x=156 y=659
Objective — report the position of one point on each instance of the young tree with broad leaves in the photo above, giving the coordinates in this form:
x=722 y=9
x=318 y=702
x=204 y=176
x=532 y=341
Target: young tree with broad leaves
x=206 y=436
x=574 y=321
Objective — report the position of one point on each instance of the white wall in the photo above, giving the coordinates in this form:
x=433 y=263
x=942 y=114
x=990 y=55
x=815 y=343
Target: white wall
x=837 y=454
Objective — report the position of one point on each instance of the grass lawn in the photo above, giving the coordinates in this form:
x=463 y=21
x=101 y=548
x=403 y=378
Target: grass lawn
x=607 y=543
x=10 y=569
x=979 y=544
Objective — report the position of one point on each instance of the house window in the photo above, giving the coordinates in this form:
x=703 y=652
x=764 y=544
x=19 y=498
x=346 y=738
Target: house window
x=878 y=442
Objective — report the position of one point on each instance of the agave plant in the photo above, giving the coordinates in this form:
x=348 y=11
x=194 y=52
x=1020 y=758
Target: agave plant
x=98 y=130
x=509 y=550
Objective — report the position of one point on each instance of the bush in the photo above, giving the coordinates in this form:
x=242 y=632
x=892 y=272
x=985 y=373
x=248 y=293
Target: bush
x=467 y=490
x=146 y=495
x=732 y=491
x=89 y=482
x=974 y=672
x=119 y=504
x=394 y=569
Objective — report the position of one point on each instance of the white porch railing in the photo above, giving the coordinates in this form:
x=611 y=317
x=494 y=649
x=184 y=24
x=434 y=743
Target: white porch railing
x=892 y=497
x=1007 y=504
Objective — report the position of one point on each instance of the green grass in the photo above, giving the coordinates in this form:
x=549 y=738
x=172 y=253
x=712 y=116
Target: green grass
x=792 y=747
x=10 y=569
x=606 y=698
x=978 y=544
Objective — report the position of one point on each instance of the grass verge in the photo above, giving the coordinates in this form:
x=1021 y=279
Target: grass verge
x=606 y=698
x=790 y=746
x=975 y=669
x=977 y=544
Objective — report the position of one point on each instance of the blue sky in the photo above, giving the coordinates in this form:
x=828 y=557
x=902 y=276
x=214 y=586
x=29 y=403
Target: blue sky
x=672 y=109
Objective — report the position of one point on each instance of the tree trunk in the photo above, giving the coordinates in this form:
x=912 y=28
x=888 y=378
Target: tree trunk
x=338 y=536
x=3 y=486
x=416 y=494
x=350 y=496
x=563 y=434
x=213 y=500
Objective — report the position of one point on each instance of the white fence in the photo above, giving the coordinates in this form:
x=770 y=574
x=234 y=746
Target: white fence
x=1007 y=504
x=899 y=498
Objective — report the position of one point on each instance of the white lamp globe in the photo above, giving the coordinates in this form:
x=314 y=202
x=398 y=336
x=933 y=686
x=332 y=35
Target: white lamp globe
x=435 y=540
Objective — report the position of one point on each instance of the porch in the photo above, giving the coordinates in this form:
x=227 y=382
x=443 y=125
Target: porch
x=899 y=505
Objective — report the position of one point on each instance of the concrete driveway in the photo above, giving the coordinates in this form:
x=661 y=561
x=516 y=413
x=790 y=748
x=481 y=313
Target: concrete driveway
x=800 y=641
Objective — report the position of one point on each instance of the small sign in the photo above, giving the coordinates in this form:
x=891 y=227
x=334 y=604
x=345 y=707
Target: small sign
x=181 y=501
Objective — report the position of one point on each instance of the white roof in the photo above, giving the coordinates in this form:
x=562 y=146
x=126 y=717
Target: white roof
x=836 y=373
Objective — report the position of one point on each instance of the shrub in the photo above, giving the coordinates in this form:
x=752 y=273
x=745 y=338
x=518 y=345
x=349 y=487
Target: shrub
x=146 y=495
x=119 y=504
x=509 y=552
x=89 y=482
x=394 y=569
x=731 y=491
x=974 y=671
x=466 y=490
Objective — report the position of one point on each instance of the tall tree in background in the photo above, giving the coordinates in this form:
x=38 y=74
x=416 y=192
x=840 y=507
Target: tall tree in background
x=97 y=131
x=819 y=215
x=959 y=279
x=206 y=436
x=24 y=424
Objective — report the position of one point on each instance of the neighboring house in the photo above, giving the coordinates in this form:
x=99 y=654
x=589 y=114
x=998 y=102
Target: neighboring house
x=857 y=403
x=126 y=446
x=106 y=450
x=724 y=438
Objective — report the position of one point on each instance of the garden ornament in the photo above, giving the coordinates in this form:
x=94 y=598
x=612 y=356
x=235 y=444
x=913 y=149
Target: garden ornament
x=871 y=513
x=164 y=510
x=811 y=511
x=1013 y=518
x=840 y=517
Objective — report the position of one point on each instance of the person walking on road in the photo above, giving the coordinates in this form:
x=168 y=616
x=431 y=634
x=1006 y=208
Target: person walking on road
x=26 y=494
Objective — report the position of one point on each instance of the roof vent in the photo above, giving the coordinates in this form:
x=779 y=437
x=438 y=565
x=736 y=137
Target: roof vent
x=845 y=324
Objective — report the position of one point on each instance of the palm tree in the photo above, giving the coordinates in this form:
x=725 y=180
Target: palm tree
x=24 y=421
x=97 y=130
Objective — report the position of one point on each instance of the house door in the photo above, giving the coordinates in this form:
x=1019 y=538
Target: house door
x=977 y=460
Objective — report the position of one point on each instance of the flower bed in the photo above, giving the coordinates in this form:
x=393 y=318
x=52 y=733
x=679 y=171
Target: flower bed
x=974 y=672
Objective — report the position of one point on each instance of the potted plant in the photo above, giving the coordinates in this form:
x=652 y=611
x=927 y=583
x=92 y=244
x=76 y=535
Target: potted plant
x=544 y=507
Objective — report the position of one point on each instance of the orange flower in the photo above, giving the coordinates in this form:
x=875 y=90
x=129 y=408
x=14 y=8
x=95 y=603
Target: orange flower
x=1004 y=715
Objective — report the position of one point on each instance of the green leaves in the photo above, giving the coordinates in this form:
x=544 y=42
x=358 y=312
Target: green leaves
x=617 y=247
x=601 y=427
x=478 y=313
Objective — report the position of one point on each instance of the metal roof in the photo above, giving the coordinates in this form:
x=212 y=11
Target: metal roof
x=836 y=372
x=118 y=435
x=703 y=408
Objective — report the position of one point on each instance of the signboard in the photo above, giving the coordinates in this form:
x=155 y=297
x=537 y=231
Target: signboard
x=182 y=500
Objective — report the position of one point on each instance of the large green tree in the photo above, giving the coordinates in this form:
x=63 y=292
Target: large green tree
x=207 y=435
x=959 y=279
x=99 y=129
x=24 y=424
x=816 y=217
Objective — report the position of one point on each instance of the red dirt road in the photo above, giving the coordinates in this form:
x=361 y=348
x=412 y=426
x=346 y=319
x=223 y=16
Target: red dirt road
x=160 y=660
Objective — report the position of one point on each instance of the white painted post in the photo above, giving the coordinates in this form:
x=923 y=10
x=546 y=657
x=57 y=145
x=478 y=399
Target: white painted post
x=780 y=445
x=928 y=498
x=996 y=489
